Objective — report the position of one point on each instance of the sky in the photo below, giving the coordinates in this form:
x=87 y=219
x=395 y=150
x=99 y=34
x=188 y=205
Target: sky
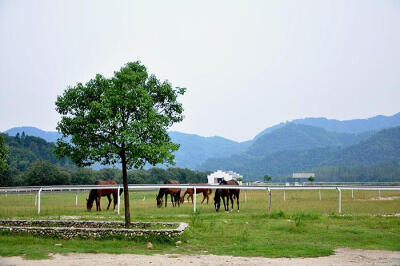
x=247 y=65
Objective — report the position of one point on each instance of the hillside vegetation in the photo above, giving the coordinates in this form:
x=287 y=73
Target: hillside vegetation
x=31 y=162
x=300 y=137
x=382 y=148
x=353 y=126
x=326 y=146
x=195 y=149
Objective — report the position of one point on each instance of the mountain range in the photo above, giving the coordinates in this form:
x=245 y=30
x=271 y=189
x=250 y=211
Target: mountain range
x=301 y=144
x=381 y=147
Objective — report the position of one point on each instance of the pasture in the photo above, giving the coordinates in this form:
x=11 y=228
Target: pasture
x=302 y=225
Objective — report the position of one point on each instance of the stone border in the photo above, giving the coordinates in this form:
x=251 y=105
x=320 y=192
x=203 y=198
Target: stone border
x=69 y=229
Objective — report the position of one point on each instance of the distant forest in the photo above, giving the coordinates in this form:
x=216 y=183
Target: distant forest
x=332 y=156
x=31 y=162
x=376 y=158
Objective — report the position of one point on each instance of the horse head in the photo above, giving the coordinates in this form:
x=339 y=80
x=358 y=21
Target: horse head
x=182 y=196
x=181 y=199
x=159 y=201
x=89 y=204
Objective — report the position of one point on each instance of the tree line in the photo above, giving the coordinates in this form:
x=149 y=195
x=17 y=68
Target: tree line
x=29 y=161
x=44 y=173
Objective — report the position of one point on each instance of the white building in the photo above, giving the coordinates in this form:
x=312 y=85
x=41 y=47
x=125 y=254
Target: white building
x=219 y=175
x=302 y=177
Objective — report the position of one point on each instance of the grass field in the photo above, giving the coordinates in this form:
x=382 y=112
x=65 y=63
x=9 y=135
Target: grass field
x=300 y=226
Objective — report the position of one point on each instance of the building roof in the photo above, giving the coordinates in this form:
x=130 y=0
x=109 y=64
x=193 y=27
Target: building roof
x=225 y=173
x=303 y=175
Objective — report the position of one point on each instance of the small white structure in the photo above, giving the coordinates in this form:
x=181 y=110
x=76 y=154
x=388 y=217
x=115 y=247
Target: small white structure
x=301 y=177
x=219 y=175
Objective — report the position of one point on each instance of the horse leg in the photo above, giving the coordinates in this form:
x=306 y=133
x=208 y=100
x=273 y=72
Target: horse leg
x=166 y=198
x=237 y=200
x=98 y=203
x=172 y=200
x=177 y=197
x=204 y=197
x=223 y=199
x=231 y=198
x=115 y=198
x=109 y=201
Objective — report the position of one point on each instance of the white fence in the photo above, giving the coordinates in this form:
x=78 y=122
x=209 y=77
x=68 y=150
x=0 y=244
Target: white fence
x=133 y=187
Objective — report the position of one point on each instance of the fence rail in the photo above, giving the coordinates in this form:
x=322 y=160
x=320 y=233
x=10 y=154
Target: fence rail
x=133 y=187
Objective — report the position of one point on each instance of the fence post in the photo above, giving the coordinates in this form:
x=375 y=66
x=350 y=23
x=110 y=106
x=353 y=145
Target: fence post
x=38 y=210
x=194 y=204
x=284 y=195
x=76 y=199
x=119 y=198
x=319 y=192
x=340 y=200
x=352 y=193
x=245 y=196
x=269 y=200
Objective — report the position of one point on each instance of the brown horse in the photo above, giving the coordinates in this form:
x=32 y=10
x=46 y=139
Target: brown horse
x=190 y=191
x=96 y=194
x=228 y=194
x=174 y=192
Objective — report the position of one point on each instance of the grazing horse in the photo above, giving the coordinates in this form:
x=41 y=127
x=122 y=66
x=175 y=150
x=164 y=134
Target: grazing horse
x=96 y=194
x=190 y=191
x=226 y=193
x=174 y=192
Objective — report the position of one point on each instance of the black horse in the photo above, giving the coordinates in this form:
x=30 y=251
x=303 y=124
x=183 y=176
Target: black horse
x=174 y=192
x=228 y=194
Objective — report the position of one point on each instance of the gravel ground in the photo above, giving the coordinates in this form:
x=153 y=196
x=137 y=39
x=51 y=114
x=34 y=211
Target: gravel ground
x=343 y=256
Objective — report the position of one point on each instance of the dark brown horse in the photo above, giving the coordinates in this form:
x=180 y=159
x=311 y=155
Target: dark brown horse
x=190 y=191
x=226 y=193
x=96 y=194
x=174 y=192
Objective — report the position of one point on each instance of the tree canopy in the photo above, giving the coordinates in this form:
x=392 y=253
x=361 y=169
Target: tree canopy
x=3 y=154
x=122 y=119
x=267 y=178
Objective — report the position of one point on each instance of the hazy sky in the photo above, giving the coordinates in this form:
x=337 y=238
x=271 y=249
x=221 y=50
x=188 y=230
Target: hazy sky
x=246 y=64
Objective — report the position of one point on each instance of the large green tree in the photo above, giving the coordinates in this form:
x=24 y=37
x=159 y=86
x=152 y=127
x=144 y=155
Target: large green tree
x=3 y=154
x=45 y=173
x=119 y=120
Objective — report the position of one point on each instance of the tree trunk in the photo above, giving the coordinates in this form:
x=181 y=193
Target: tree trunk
x=126 y=192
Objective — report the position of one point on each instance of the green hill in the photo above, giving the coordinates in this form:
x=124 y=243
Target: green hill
x=25 y=150
x=382 y=147
x=353 y=126
x=300 y=137
x=195 y=149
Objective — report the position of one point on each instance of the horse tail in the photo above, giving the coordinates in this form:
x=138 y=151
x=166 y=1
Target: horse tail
x=209 y=191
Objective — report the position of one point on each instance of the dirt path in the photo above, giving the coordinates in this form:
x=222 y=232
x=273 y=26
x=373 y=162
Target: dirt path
x=343 y=256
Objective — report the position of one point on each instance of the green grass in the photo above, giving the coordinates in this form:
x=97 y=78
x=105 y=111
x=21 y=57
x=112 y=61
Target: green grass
x=300 y=226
